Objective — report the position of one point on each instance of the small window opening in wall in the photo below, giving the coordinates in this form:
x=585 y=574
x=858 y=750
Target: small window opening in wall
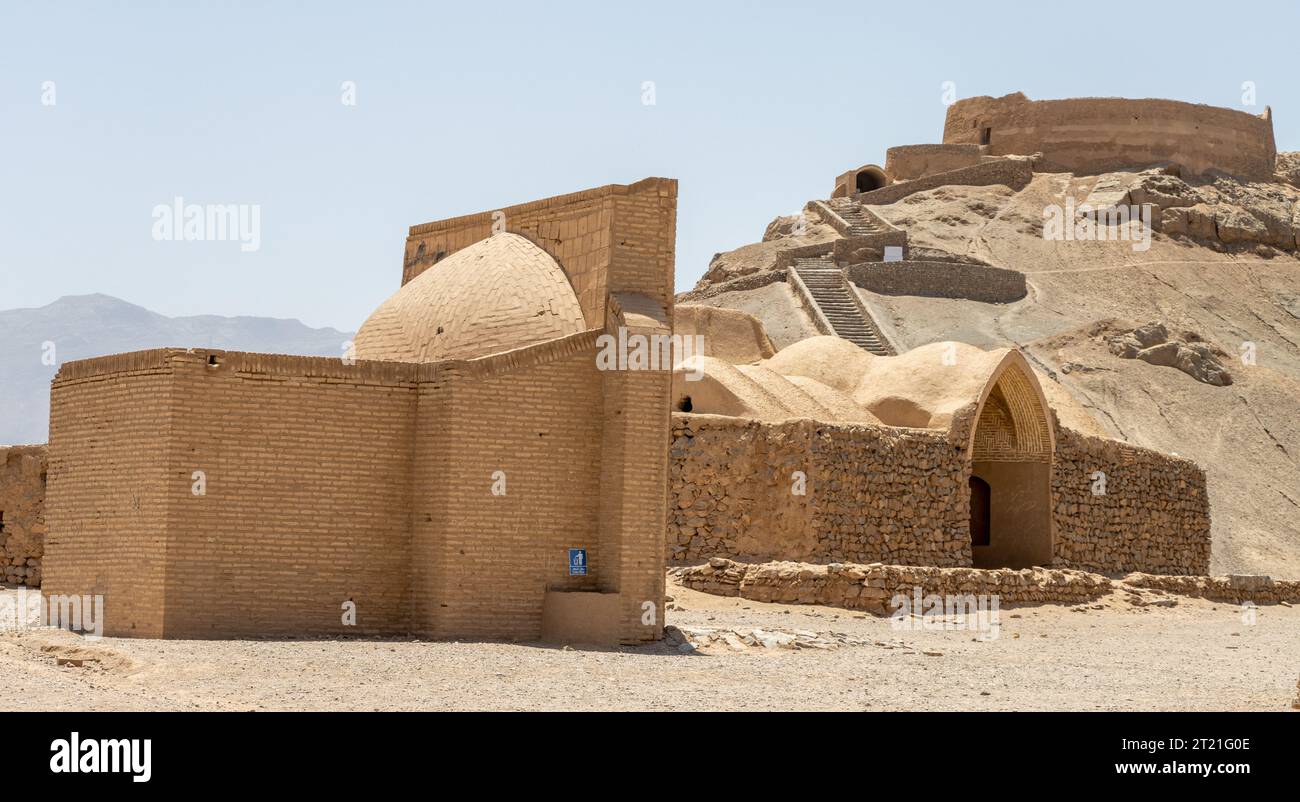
x=684 y=405
x=2 y=520
x=985 y=136
x=212 y=360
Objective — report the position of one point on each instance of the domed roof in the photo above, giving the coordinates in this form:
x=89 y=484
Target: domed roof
x=498 y=294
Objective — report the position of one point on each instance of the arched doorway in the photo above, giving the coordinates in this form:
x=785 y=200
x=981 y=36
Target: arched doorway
x=869 y=178
x=1011 y=465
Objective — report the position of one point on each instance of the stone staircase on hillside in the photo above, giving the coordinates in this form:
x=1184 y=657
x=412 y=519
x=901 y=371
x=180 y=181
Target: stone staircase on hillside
x=861 y=222
x=825 y=288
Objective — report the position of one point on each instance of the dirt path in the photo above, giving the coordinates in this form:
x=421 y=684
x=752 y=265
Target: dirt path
x=1196 y=655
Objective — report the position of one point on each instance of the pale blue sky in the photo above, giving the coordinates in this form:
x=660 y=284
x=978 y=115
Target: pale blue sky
x=463 y=109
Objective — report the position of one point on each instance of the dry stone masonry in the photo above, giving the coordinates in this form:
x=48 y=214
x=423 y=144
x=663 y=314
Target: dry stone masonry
x=872 y=493
x=22 y=514
x=873 y=587
x=901 y=496
x=1121 y=508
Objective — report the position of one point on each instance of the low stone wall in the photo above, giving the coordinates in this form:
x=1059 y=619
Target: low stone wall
x=1235 y=589
x=872 y=493
x=785 y=259
x=750 y=282
x=1152 y=513
x=1013 y=172
x=22 y=514
x=871 y=587
x=994 y=285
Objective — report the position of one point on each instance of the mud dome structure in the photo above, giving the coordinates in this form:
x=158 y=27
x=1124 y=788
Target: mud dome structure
x=472 y=474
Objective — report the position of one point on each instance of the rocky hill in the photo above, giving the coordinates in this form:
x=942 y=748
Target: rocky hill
x=1220 y=277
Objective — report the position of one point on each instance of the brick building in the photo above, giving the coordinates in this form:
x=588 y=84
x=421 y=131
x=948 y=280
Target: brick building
x=471 y=474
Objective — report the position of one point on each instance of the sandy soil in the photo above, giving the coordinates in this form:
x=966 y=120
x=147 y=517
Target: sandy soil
x=1107 y=655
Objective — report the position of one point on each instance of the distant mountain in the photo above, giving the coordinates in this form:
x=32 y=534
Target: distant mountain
x=82 y=326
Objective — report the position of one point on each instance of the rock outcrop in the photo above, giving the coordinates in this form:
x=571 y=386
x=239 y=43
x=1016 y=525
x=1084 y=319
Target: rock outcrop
x=1151 y=344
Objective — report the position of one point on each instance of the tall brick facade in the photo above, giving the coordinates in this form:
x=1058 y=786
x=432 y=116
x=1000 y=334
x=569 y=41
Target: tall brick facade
x=206 y=493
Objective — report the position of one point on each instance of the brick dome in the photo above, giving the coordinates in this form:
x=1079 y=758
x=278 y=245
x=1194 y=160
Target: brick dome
x=498 y=294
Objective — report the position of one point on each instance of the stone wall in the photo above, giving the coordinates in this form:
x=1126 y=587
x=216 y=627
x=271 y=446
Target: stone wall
x=1015 y=173
x=1097 y=135
x=873 y=493
x=22 y=514
x=753 y=281
x=901 y=496
x=993 y=285
x=872 y=587
x=1153 y=516
x=1236 y=589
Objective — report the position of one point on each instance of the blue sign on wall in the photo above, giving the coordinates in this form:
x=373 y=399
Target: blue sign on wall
x=577 y=562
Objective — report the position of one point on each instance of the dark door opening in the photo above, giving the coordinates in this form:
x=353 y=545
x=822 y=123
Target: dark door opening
x=868 y=181
x=980 y=508
x=985 y=135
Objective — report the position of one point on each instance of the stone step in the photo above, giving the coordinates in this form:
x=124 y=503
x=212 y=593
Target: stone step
x=826 y=287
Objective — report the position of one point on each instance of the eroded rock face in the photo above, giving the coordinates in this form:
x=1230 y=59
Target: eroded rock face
x=1225 y=211
x=783 y=227
x=1288 y=168
x=1151 y=344
x=1165 y=191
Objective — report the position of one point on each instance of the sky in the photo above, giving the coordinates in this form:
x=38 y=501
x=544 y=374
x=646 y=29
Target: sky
x=111 y=110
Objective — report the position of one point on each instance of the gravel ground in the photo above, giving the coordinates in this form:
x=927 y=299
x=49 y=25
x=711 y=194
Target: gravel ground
x=1195 y=655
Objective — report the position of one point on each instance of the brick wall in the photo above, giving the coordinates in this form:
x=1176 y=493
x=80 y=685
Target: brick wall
x=371 y=483
x=108 y=489
x=610 y=239
x=539 y=423
x=634 y=490
x=22 y=514
x=307 y=464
